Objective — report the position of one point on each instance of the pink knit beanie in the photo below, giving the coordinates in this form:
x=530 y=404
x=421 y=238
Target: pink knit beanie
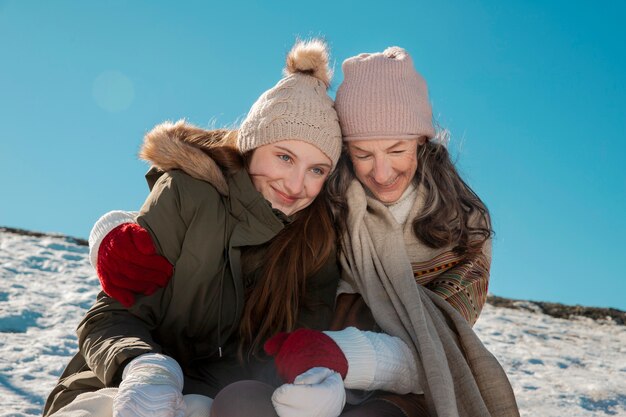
x=382 y=96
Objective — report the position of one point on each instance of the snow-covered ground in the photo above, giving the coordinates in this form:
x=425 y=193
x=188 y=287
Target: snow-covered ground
x=557 y=367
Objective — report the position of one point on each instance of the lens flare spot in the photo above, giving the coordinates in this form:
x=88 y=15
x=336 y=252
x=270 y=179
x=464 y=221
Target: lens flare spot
x=113 y=91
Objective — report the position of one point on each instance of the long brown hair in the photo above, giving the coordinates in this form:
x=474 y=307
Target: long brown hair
x=297 y=252
x=453 y=215
x=291 y=257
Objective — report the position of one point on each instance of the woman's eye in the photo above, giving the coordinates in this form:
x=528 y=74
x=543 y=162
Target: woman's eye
x=284 y=157
x=318 y=171
x=361 y=156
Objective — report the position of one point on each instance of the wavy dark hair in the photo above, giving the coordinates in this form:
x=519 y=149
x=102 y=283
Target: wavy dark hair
x=453 y=214
x=287 y=261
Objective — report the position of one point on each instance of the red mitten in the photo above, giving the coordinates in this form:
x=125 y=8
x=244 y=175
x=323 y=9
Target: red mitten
x=297 y=352
x=129 y=264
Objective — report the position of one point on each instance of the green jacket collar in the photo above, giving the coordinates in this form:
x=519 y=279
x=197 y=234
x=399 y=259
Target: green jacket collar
x=258 y=222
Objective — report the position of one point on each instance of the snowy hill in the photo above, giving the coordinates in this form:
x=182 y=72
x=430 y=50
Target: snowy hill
x=558 y=367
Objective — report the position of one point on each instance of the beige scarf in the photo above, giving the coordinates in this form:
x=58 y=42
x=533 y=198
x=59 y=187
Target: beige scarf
x=460 y=377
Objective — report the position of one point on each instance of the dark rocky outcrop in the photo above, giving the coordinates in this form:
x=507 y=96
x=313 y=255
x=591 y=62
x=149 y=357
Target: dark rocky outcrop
x=561 y=310
x=23 y=232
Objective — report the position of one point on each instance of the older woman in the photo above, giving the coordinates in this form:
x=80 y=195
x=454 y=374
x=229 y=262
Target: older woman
x=415 y=247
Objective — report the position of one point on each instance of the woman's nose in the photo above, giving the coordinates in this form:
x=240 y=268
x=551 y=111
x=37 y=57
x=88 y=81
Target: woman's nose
x=382 y=170
x=294 y=183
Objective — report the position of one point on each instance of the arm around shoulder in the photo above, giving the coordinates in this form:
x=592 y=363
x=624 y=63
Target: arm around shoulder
x=465 y=286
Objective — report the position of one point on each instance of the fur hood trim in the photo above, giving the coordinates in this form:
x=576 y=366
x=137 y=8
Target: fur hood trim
x=181 y=146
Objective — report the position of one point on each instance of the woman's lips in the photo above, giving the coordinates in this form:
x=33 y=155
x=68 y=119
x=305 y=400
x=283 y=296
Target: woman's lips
x=285 y=197
x=389 y=186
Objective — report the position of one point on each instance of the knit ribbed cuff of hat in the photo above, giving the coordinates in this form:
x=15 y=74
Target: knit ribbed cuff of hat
x=383 y=136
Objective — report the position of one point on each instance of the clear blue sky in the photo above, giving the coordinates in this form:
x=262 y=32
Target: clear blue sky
x=533 y=92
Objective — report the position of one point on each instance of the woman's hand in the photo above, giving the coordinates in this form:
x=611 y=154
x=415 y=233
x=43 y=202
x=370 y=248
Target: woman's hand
x=126 y=259
x=365 y=360
x=319 y=392
x=152 y=386
x=297 y=352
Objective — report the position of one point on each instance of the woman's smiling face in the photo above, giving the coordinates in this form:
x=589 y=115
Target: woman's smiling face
x=386 y=167
x=289 y=173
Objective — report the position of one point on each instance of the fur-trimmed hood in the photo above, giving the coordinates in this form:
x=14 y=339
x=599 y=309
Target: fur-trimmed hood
x=183 y=146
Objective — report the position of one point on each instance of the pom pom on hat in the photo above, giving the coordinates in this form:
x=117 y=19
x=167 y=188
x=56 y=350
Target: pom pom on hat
x=395 y=52
x=309 y=57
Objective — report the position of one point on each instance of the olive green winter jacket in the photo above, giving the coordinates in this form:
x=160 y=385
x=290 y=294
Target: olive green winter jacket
x=195 y=317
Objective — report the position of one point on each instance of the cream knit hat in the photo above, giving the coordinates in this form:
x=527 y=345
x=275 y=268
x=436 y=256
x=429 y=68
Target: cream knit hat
x=298 y=107
x=383 y=97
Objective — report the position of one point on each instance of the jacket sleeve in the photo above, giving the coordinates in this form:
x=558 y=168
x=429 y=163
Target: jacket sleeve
x=162 y=215
x=110 y=334
x=465 y=285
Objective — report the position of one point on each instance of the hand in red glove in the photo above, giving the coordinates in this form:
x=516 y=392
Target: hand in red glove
x=297 y=352
x=128 y=264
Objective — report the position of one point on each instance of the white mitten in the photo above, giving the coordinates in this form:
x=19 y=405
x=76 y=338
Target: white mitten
x=377 y=361
x=152 y=386
x=319 y=392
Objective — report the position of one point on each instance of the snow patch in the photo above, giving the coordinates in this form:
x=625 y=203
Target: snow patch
x=558 y=367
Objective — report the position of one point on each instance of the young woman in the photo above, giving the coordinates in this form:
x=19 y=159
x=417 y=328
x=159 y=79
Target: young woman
x=415 y=256
x=235 y=219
